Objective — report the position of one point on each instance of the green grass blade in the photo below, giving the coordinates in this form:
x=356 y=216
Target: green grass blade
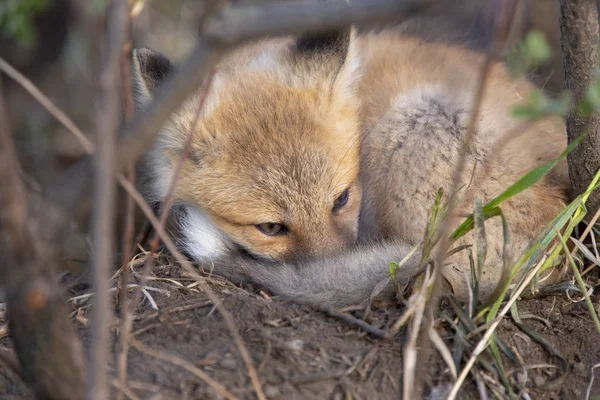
x=528 y=180
x=469 y=224
x=525 y=261
x=532 y=177
x=500 y=368
x=579 y=279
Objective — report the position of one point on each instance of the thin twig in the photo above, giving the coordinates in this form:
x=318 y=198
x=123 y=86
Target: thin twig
x=504 y=20
x=349 y=319
x=191 y=368
x=128 y=231
x=47 y=104
x=588 y=390
x=11 y=363
x=13 y=217
x=584 y=235
x=185 y=263
x=485 y=339
x=48 y=350
x=186 y=306
x=410 y=356
x=104 y=205
x=581 y=283
x=166 y=239
x=124 y=390
x=166 y=208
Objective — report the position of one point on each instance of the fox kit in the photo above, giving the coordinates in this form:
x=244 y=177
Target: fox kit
x=315 y=161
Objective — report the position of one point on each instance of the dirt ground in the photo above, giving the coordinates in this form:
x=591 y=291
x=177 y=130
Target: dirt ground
x=303 y=354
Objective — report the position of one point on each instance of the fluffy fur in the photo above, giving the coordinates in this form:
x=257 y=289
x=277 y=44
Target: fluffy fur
x=289 y=124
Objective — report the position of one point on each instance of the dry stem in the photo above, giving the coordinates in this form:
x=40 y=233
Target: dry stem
x=104 y=196
x=128 y=233
x=48 y=350
x=504 y=20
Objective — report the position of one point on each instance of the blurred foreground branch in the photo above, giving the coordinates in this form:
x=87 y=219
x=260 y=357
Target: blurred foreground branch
x=108 y=119
x=47 y=347
x=580 y=40
x=413 y=386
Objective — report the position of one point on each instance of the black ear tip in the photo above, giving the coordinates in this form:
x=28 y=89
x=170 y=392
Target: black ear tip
x=146 y=56
x=151 y=66
x=331 y=41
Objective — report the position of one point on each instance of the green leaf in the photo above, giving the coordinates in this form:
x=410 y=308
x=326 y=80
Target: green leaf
x=469 y=224
x=531 y=52
x=393 y=268
x=16 y=19
x=537 y=48
x=530 y=179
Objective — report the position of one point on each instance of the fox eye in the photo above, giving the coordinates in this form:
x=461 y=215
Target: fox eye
x=272 y=229
x=341 y=201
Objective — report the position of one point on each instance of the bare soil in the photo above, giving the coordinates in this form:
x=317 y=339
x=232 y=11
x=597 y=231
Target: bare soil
x=301 y=353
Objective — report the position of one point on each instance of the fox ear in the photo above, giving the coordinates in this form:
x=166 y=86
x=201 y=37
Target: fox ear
x=333 y=53
x=150 y=69
x=333 y=44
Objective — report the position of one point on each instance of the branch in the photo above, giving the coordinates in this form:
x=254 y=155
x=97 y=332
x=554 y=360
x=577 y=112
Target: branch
x=128 y=230
x=104 y=198
x=47 y=347
x=579 y=39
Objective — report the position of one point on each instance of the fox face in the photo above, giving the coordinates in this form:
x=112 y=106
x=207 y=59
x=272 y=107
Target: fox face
x=273 y=166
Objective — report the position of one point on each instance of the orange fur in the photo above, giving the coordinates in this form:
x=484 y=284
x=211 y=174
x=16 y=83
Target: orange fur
x=285 y=132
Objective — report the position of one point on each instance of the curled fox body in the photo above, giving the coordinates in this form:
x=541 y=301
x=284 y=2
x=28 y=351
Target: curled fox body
x=315 y=161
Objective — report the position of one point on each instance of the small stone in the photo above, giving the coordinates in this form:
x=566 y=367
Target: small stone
x=440 y=391
x=539 y=380
x=579 y=367
x=337 y=396
x=212 y=395
x=36 y=299
x=271 y=391
x=207 y=393
x=229 y=363
x=295 y=344
x=521 y=378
